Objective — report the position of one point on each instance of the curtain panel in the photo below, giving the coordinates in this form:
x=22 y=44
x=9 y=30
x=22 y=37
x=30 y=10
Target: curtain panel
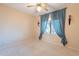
x=58 y=21
x=43 y=24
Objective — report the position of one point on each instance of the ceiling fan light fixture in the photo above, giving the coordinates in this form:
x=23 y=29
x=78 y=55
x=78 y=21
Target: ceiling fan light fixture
x=39 y=8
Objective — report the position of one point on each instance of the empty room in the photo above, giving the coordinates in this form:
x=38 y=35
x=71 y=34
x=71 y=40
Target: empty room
x=39 y=29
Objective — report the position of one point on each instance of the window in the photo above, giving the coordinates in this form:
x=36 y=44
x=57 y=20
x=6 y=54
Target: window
x=50 y=29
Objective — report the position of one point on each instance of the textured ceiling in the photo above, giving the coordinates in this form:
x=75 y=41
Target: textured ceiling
x=22 y=7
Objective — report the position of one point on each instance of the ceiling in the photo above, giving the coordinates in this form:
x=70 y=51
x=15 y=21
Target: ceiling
x=22 y=7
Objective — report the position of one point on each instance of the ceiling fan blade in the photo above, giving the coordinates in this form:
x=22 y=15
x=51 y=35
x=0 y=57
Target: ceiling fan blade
x=45 y=6
x=46 y=9
x=30 y=5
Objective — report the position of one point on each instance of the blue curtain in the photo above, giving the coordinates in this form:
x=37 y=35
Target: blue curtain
x=43 y=25
x=58 y=21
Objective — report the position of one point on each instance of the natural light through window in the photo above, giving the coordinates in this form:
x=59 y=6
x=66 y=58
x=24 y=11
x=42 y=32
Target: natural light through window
x=50 y=29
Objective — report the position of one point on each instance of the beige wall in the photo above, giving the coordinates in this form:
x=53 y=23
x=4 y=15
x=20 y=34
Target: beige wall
x=72 y=31
x=37 y=28
x=15 y=25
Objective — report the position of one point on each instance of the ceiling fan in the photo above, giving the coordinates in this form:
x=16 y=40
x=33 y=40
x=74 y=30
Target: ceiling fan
x=39 y=6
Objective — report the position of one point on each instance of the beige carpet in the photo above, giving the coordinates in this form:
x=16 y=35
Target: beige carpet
x=35 y=48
